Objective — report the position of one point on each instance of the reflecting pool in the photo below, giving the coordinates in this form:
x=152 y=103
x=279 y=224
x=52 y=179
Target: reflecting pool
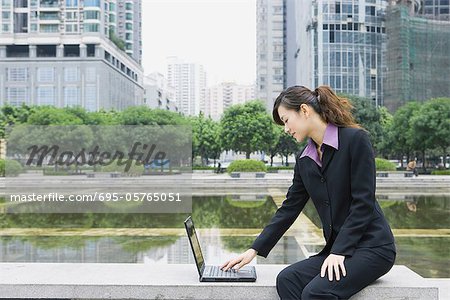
x=227 y=225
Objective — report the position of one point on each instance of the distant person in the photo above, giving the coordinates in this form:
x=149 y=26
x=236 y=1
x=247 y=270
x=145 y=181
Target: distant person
x=412 y=166
x=336 y=170
x=218 y=167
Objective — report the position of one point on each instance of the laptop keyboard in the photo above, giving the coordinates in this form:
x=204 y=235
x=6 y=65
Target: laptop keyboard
x=217 y=272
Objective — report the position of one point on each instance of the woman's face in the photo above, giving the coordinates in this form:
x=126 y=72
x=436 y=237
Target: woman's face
x=295 y=122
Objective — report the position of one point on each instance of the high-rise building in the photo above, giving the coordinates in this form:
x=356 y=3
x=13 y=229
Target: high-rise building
x=432 y=9
x=71 y=52
x=270 y=60
x=158 y=92
x=222 y=96
x=417 y=57
x=336 y=43
x=189 y=81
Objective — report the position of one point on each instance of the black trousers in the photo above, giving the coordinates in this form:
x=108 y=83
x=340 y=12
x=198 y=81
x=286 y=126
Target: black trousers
x=302 y=280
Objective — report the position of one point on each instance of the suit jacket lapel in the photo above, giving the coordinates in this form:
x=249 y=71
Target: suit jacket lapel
x=327 y=155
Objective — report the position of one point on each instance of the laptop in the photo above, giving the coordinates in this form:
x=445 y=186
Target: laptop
x=214 y=273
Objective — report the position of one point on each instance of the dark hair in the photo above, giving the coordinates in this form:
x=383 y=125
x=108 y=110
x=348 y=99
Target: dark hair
x=332 y=108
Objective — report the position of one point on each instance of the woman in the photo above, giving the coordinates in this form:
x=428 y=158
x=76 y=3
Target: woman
x=336 y=170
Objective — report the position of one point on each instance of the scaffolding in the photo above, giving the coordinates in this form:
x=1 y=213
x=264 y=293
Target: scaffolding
x=417 y=57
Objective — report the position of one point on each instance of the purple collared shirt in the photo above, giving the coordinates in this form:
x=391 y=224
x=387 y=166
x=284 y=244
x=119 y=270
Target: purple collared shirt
x=330 y=138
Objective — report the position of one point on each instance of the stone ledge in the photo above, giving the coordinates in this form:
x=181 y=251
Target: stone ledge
x=155 y=281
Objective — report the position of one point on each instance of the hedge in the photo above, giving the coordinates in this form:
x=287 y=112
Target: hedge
x=384 y=165
x=440 y=172
x=247 y=165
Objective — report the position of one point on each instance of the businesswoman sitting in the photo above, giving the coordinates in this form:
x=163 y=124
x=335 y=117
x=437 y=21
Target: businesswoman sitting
x=336 y=170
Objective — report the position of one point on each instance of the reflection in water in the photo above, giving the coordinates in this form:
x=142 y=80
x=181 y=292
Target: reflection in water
x=207 y=212
x=428 y=256
x=161 y=250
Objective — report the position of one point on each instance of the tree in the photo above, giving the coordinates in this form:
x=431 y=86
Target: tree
x=206 y=140
x=369 y=117
x=386 y=120
x=431 y=126
x=49 y=115
x=287 y=145
x=399 y=134
x=273 y=151
x=246 y=128
x=11 y=115
x=143 y=115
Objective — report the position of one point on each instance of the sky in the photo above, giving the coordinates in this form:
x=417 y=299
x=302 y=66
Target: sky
x=219 y=34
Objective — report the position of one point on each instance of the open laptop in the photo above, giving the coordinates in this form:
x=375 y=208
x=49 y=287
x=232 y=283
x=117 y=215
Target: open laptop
x=214 y=273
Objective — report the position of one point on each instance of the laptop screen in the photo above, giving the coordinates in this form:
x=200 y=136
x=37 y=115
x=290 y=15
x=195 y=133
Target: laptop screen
x=192 y=235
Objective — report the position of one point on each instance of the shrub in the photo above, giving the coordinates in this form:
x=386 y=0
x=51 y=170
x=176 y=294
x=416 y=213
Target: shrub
x=384 y=165
x=247 y=165
x=10 y=168
x=440 y=172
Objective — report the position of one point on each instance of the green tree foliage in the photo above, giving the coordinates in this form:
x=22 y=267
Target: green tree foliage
x=206 y=141
x=400 y=132
x=274 y=150
x=287 y=145
x=49 y=115
x=430 y=126
x=246 y=128
x=369 y=117
x=143 y=115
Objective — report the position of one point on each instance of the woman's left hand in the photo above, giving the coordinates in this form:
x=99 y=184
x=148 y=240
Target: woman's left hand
x=333 y=262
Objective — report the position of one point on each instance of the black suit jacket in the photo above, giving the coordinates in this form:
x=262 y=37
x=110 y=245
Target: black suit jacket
x=343 y=192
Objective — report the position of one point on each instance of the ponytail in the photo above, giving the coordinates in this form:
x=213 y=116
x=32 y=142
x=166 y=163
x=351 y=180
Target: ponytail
x=331 y=108
x=335 y=109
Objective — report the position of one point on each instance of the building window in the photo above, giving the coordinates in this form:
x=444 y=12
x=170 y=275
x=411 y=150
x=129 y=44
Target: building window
x=71 y=50
x=46 y=74
x=17 y=51
x=370 y=10
x=91 y=3
x=71 y=97
x=90 y=50
x=71 y=3
x=91 y=28
x=90 y=96
x=129 y=16
x=20 y=22
x=129 y=26
x=17 y=74
x=49 y=3
x=5 y=28
x=129 y=6
x=46 y=50
x=91 y=15
x=71 y=74
x=46 y=95
x=6 y=15
x=16 y=95
x=49 y=28
x=71 y=28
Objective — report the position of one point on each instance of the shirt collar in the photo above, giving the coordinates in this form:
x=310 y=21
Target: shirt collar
x=330 y=138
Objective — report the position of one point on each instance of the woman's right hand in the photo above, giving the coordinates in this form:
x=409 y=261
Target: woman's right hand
x=240 y=261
